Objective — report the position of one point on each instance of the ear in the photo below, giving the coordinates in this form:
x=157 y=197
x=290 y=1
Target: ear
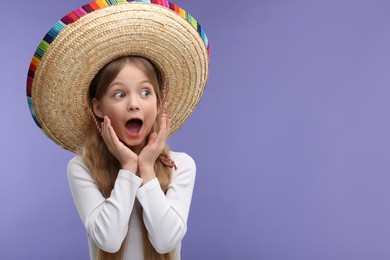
x=97 y=108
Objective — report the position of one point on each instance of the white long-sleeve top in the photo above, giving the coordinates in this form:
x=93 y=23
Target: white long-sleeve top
x=109 y=221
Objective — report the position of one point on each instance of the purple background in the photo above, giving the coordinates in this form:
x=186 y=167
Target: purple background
x=291 y=138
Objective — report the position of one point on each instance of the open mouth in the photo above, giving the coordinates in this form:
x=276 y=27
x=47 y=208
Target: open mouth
x=134 y=125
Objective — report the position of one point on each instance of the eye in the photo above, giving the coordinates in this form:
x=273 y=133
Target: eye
x=145 y=93
x=119 y=95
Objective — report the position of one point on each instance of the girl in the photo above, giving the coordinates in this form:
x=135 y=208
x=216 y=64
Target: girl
x=114 y=185
x=102 y=84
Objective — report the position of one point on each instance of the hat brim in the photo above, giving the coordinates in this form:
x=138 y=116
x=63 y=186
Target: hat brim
x=60 y=82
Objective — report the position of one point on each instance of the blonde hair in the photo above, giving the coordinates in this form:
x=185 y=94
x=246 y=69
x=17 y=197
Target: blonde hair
x=103 y=165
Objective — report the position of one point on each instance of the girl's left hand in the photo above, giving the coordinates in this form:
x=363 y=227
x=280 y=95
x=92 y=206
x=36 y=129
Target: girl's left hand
x=152 y=150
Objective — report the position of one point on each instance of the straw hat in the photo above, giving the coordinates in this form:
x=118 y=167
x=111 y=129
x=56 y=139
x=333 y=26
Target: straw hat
x=83 y=41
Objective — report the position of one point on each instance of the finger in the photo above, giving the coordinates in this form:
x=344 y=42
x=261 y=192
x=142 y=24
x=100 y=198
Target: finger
x=152 y=138
x=163 y=123
x=109 y=135
x=163 y=128
x=106 y=124
x=105 y=134
x=110 y=130
x=168 y=128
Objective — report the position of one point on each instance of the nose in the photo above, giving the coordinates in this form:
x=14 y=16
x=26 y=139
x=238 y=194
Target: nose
x=133 y=104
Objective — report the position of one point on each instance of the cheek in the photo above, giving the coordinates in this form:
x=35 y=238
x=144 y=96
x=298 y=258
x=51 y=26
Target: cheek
x=155 y=111
x=111 y=108
x=152 y=113
x=114 y=116
x=115 y=123
x=154 y=107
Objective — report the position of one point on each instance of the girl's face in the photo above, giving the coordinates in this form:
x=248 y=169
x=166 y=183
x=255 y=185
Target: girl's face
x=131 y=104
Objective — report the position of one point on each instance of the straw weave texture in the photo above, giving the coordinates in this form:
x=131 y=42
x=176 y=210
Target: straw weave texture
x=60 y=85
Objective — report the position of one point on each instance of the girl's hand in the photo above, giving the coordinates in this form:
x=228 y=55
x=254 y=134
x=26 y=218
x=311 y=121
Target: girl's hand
x=126 y=157
x=152 y=150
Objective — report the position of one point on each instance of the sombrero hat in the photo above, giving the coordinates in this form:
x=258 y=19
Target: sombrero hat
x=83 y=41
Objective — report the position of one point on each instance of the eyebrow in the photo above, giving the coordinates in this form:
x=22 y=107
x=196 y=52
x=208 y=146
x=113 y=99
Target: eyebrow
x=146 y=81
x=113 y=83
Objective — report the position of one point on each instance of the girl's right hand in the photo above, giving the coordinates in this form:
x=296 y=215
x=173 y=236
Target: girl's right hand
x=126 y=157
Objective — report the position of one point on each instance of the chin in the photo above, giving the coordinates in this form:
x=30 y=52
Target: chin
x=132 y=144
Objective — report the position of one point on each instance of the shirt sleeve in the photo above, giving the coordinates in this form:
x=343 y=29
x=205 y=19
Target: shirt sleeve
x=165 y=215
x=106 y=220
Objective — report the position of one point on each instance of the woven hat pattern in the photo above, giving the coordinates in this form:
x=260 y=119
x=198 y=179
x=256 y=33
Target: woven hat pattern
x=83 y=41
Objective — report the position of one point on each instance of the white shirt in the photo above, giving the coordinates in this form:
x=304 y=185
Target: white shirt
x=109 y=221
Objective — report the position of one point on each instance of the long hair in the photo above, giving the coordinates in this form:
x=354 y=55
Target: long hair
x=103 y=165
